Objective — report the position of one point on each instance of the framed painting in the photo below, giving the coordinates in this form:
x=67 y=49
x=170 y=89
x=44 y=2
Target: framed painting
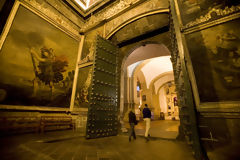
x=83 y=87
x=144 y=98
x=215 y=58
x=37 y=60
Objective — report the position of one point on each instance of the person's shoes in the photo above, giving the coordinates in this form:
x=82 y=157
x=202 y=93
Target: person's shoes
x=147 y=139
x=129 y=139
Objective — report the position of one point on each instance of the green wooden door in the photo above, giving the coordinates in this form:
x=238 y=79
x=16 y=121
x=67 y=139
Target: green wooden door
x=103 y=110
x=188 y=116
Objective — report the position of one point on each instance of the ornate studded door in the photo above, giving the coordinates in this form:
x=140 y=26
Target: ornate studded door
x=103 y=111
x=188 y=117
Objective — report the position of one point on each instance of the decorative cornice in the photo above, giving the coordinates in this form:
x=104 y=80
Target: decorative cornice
x=218 y=13
x=51 y=11
x=107 y=14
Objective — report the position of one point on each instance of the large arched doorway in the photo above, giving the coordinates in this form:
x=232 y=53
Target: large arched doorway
x=147 y=78
x=140 y=33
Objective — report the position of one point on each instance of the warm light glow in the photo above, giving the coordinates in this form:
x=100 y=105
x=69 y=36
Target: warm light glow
x=132 y=67
x=164 y=79
x=88 y=4
x=81 y=4
x=156 y=67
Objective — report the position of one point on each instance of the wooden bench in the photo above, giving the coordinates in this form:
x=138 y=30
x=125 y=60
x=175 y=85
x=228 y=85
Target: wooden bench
x=18 y=124
x=56 y=121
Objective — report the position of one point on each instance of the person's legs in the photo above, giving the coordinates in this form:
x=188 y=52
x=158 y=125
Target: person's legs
x=149 y=126
x=132 y=133
x=147 y=120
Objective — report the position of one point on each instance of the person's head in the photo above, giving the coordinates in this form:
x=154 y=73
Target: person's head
x=146 y=105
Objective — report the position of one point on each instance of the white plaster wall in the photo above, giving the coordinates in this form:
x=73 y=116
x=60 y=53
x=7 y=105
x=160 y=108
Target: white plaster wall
x=162 y=100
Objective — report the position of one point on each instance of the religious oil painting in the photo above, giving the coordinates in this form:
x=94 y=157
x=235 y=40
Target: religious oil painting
x=216 y=61
x=83 y=87
x=192 y=9
x=37 y=63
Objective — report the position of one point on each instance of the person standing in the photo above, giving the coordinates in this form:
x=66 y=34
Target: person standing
x=147 y=118
x=132 y=123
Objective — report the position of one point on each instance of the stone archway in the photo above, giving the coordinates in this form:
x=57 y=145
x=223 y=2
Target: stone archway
x=141 y=54
x=152 y=20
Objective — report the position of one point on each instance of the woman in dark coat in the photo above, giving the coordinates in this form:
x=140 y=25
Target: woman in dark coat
x=132 y=122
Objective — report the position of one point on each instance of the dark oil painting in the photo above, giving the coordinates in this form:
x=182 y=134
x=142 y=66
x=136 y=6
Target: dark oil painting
x=83 y=87
x=37 y=63
x=192 y=9
x=216 y=61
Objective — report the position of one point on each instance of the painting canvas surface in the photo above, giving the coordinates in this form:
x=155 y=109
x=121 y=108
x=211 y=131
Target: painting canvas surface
x=37 y=62
x=83 y=87
x=216 y=61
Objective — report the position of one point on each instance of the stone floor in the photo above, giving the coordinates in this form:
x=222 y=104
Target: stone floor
x=165 y=129
x=64 y=145
x=69 y=145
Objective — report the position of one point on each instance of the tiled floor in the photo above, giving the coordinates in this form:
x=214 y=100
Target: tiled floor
x=69 y=145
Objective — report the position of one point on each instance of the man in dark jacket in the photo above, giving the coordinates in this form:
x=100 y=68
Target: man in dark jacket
x=132 y=122
x=147 y=119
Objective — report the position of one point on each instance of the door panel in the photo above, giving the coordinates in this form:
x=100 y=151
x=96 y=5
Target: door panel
x=103 y=111
x=188 y=128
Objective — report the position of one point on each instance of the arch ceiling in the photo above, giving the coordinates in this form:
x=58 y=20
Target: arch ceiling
x=156 y=57
x=153 y=69
x=146 y=52
x=166 y=78
x=132 y=67
x=156 y=67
